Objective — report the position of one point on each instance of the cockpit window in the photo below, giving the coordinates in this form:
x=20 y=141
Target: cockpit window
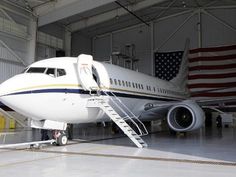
x=54 y=72
x=36 y=70
x=60 y=72
x=51 y=72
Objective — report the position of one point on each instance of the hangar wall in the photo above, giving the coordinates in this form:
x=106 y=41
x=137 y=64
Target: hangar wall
x=50 y=39
x=204 y=29
x=214 y=32
x=16 y=40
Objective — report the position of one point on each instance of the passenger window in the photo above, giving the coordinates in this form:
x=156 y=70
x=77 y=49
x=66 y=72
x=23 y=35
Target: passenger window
x=123 y=82
x=129 y=84
x=111 y=82
x=115 y=81
x=126 y=82
x=119 y=82
x=133 y=85
x=60 y=72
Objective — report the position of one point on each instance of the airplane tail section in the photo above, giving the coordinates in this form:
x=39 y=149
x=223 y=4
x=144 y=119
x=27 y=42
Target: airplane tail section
x=181 y=78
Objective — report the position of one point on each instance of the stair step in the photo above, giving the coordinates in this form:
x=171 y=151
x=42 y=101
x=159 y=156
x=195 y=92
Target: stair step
x=137 y=140
x=121 y=122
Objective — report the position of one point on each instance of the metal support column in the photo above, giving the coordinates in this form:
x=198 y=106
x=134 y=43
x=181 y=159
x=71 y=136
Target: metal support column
x=67 y=43
x=32 y=40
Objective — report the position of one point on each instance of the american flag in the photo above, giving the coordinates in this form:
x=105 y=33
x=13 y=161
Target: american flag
x=212 y=72
x=167 y=64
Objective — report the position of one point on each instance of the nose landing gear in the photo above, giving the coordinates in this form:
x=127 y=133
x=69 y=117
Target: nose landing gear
x=60 y=137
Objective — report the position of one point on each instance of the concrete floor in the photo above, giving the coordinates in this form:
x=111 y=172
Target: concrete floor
x=97 y=152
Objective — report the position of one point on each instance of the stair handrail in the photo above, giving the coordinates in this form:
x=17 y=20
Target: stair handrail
x=121 y=109
x=145 y=132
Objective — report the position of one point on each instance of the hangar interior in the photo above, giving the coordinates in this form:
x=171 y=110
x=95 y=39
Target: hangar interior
x=127 y=33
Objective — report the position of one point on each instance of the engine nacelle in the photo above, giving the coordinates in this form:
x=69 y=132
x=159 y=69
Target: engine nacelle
x=185 y=116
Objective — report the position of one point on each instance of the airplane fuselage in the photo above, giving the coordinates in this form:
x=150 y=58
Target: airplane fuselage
x=55 y=89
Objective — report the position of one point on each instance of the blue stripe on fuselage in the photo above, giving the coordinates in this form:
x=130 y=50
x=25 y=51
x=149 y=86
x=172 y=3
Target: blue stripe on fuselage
x=81 y=91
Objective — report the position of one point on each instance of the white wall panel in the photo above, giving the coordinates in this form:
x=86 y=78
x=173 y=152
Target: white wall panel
x=43 y=52
x=140 y=36
x=163 y=29
x=215 y=33
x=16 y=44
x=53 y=30
x=9 y=69
x=16 y=37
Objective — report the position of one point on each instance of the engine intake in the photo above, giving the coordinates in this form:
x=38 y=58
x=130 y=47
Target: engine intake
x=185 y=116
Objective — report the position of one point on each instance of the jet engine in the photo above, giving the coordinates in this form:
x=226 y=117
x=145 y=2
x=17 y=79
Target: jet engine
x=185 y=116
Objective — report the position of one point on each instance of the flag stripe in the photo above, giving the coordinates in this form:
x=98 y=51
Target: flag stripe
x=211 y=76
x=213 y=58
x=213 y=49
x=213 y=67
x=212 y=85
x=225 y=71
x=212 y=81
x=212 y=63
x=210 y=54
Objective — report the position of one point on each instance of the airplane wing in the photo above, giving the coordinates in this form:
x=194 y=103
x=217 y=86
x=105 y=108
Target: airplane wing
x=225 y=103
x=217 y=104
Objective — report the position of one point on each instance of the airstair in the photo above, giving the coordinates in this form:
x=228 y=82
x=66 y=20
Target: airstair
x=109 y=103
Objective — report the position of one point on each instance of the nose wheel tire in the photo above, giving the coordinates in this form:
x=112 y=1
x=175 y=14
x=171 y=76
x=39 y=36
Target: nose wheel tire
x=61 y=139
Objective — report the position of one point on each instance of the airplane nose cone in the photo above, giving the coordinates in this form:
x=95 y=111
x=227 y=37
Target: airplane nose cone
x=5 y=88
x=10 y=86
x=2 y=90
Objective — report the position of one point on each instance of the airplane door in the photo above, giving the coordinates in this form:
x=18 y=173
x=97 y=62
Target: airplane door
x=85 y=72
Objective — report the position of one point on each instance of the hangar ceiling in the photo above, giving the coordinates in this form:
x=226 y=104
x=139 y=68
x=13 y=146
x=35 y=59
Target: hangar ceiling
x=102 y=16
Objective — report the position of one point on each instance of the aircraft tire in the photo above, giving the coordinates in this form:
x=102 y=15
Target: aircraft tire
x=62 y=140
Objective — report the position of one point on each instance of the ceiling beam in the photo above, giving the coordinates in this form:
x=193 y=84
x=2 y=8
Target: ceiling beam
x=56 y=10
x=111 y=14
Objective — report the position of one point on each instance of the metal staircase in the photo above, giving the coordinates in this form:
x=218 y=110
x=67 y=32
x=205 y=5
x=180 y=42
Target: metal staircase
x=108 y=102
x=9 y=116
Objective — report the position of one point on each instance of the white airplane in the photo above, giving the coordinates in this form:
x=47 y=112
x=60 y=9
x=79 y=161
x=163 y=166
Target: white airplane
x=56 y=91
